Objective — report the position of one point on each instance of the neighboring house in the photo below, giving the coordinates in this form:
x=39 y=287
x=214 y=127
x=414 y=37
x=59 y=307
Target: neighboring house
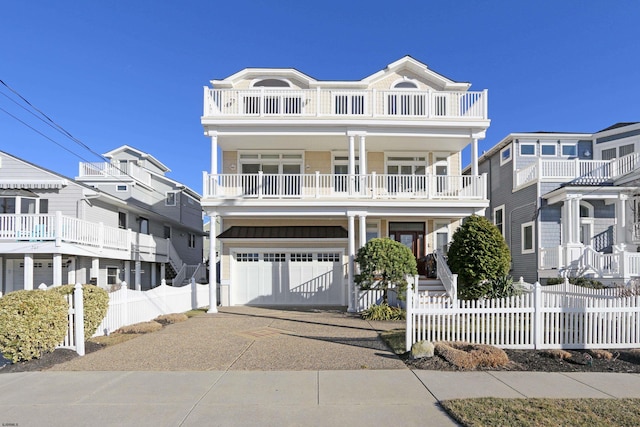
x=567 y=203
x=311 y=170
x=117 y=222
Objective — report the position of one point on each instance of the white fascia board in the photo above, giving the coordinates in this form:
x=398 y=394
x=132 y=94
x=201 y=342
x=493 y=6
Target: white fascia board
x=586 y=192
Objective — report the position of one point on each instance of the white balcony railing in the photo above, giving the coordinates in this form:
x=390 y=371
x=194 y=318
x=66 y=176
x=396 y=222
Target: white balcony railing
x=337 y=186
x=344 y=103
x=583 y=172
x=109 y=170
x=60 y=228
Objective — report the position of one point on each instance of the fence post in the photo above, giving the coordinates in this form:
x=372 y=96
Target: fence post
x=409 y=315
x=78 y=318
x=537 y=315
x=194 y=294
x=125 y=306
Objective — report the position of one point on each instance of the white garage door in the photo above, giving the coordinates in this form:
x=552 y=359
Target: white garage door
x=288 y=278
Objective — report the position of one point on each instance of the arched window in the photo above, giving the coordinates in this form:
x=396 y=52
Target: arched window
x=405 y=85
x=586 y=210
x=271 y=83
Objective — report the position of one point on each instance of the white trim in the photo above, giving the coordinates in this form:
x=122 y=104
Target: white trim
x=175 y=198
x=523 y=226
x=501 y=227
x=522 y=144
x=126 y=188
x=546 y=144
x=508 y=159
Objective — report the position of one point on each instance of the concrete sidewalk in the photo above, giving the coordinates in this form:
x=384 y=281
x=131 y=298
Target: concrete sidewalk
x=282 y=398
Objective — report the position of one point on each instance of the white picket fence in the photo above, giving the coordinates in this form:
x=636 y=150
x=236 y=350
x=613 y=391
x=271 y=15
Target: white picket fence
x=128 y=306
x=562 y=317
x=74 y=338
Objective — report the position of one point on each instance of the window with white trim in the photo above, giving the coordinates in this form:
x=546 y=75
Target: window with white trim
x=625 y=150
x=328 y=257
x=112 y=275
x=527 y=149
x=608 y=154
x=548 y=149
x=498 y=218
x=273 y=257
x=527 y=235
x=170 y=199
x=302 y=257
x=569 y=150
x=505 y=155
x=247 y=257
x=122 y=188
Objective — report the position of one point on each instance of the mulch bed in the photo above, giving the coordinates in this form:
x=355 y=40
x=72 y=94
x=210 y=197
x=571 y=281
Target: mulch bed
x=626 y=361
x=47 y=360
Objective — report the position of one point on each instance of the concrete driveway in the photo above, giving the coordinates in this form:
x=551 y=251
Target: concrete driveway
x=252 y=339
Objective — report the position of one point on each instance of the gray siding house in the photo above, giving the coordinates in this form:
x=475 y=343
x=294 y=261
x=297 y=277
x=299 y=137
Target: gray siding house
x=103 y=230
x=566 y=203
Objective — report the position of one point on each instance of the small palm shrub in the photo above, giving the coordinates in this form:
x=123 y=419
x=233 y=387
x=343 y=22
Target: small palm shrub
x=501 y=287
x=96 y=304
x=32 y=323
x=383 y=312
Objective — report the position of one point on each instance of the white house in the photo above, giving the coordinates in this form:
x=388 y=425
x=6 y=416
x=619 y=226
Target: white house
x=310 y=170
x=119 y=221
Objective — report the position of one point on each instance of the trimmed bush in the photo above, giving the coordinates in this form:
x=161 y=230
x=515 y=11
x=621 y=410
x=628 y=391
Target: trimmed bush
x=31 y=323
x=479 y=255
x=168 y=319
x=585 y=282
x=140 y=328
x=383 y=264
x=96 y=304
x=383 y=312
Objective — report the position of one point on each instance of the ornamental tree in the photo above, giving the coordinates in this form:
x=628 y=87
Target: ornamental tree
x=479 y=255
x=384 y=264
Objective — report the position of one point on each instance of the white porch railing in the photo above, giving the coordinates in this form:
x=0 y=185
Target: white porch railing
x=589 y=172
x=585 y=260
x=547 y=317
x=111 y=171
x=318 y=186
x=448 y=279
x=265 y=102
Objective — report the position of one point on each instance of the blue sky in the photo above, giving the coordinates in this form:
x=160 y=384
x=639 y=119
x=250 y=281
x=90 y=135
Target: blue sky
x=132 y=72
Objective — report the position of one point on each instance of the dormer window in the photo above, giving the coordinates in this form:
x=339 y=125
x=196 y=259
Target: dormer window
x=271 y=83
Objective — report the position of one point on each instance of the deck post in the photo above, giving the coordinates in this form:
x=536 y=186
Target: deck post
x=78 y=318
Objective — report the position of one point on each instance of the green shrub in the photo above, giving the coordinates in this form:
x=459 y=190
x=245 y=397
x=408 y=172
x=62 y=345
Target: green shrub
x=479 y=255
x=383 y=312
x=585 y=282
x=31 y=323
x=96 y=304
x=501 y=287
x=384 y=264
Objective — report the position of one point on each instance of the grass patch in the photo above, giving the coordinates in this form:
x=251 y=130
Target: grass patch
x=112 y=339
x=395 y=340
x=196 y=312
x=488 y=412
x=168 y=319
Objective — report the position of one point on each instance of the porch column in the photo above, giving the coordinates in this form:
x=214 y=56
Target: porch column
x=213 y=283
x=71 y=270
x=153 y=267
x=214 y=152
x=474 y=157
x=352 y=263
x=57 y=269
x=621 y=221
x=95 y=269
x=127 y=272
x=362 y=221
x=575 y=216
x=163 y=271
x=352 y=163
x=138 y=275
x=362 y=153
x=28 y=271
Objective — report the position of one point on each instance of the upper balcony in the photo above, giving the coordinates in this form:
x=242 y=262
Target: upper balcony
x=313 y=187
x=578 y=172
x=108 y=171
x=344 y=104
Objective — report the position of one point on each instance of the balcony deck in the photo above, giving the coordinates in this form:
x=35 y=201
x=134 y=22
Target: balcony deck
x=318 y=186
x=354 y=104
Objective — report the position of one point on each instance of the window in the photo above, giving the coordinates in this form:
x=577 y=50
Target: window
x=144 y=225
x=608 y=154
x=329 y=257
x=112 y=275
x=7 y=205
x=192 y=240
x=527 y=238
x=527 y=149
x=569 y=150
x=275 y=257
x=167 y=232
x=271 y=83
x=505 y=155
x=122 y=220
x=170 y=199
x=121 y=188
x=373 y=230
x=548 y=150
x=498 y=218
x=246 y=257
x=625 y=150
x=302 y=257
x=44 y=206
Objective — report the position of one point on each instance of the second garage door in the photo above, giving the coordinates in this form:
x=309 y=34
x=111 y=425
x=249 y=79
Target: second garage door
x=288 y=278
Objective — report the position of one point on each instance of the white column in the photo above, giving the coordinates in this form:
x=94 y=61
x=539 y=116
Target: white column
x=153 y=267
x=214 y=152
x=57 y=269
x=163 y=271
x=213 y=283
x=28 y=271
x=621 y=221
x=138 y=275
x=95 y=269
x=474 y=157
x=127 y=272
x=352 y=263
x=362 y=152
x=352 y=163
x=362 y=221
x=71 y=271
x=576 y=220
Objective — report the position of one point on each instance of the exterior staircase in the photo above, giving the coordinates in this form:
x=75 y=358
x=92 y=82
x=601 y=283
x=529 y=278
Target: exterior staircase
x=431 y=287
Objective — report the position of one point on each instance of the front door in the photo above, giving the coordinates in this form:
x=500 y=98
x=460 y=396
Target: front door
x=410 y=234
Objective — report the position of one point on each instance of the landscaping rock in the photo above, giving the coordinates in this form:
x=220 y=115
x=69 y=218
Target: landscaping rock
x=422 y=349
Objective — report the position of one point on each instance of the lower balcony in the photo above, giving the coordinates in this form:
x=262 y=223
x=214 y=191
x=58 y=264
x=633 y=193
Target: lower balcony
x=340 y=186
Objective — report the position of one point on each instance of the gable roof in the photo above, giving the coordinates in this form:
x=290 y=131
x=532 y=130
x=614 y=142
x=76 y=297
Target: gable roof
x=142 y=154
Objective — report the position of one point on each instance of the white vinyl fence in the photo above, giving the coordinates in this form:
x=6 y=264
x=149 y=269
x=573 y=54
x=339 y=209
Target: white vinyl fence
x=127 y=306
x=562 y=316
